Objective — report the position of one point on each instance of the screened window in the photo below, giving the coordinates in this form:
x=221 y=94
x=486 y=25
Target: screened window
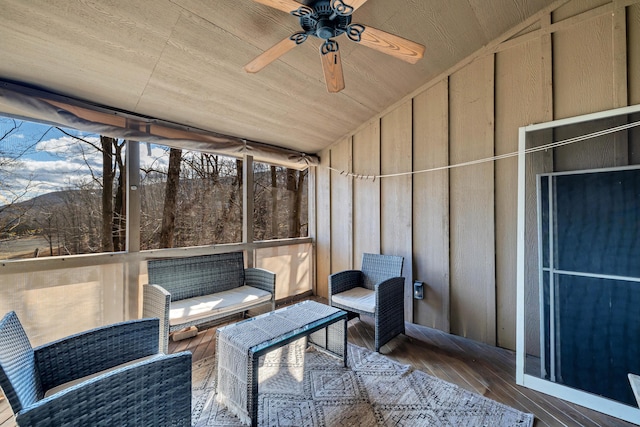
x=189 y=198
x=280 y=202
x=61 y=191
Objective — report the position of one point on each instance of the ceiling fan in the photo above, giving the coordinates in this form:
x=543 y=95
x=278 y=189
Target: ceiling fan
x=327 y=19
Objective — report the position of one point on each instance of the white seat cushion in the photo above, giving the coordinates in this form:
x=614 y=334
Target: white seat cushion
x=230 y=301
x=360 y=299
x=634 y=380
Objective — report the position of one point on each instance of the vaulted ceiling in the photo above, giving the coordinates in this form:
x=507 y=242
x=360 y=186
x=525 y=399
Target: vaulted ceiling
x=182 y=60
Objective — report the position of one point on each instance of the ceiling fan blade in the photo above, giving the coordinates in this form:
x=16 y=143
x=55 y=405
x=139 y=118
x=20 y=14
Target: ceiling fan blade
x=355 y=4
x=270 y=55
x=332 y=68
x=287 y=6
x=391 y=44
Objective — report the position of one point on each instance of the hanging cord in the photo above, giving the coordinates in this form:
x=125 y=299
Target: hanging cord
x=498 y=157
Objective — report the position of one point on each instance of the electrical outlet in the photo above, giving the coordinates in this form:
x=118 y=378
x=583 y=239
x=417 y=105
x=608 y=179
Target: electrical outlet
x=418 y=290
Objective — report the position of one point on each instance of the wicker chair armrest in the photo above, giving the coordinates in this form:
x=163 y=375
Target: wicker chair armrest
x=154 y=392
x=344 y=280
x=156 y=302
x=93 y=351
x=390 y=293
x=389 y=316
x=261 y=279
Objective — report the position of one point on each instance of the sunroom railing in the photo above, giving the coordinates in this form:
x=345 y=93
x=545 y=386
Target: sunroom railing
x=58 y=296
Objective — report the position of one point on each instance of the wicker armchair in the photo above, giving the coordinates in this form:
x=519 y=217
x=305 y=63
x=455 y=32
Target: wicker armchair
x=117 y=377
x=377 y=290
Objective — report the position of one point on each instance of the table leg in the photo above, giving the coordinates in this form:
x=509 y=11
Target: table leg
x=344 y=348
x=252 y=399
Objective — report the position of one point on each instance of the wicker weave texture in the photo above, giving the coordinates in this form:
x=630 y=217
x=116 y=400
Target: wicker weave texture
x=155 y=303
x=240 y=345
x=383 y=274
x=198 y=275
x=389 y=317
x=156 y=392
x=260 y=278
x=179 y=278
x=93 y=352
x=17 y=365
x=153 y=392
x=345 y=280
x=378 y=268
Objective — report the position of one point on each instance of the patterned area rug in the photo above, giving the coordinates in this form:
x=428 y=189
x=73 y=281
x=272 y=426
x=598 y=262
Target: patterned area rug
x=311 y=388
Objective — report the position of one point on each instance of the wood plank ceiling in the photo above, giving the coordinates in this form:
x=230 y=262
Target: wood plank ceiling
x=181 y=60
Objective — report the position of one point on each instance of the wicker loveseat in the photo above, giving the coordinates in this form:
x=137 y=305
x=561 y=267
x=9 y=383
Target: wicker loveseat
x=190 y=291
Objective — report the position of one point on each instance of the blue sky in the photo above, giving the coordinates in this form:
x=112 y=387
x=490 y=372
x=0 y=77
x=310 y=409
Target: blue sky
x=53 y=161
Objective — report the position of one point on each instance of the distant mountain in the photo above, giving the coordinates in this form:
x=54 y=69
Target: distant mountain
x=48 y=199
x=18 y=218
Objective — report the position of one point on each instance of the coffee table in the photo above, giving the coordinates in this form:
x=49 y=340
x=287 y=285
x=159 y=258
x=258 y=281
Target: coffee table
x=240 y=345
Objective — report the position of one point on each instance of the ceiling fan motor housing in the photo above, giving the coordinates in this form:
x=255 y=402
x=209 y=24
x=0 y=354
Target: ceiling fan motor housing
x=324 y=23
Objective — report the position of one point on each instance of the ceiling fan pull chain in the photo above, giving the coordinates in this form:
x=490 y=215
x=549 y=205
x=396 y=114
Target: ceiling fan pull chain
x=329 y=46
x=341 y=8
x=354 y=32
x=299 y=37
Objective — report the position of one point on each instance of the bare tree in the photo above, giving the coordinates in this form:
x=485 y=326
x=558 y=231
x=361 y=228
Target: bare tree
x=295 y=187
x=13 y=148
x=274 y=201
x=113 y=168
x=280 y=202
x=119 y=207
x=170 y=199
x=225 y=230
x=108 y=175
x=195 y=200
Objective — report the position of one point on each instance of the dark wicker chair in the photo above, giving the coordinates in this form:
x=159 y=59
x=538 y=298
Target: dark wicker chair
x=151 y=389
x=377 y=290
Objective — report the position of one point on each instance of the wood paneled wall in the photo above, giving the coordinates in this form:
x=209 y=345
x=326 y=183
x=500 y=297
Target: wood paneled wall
x=520 y=79
x=341 y=211
x=396 y=139
x=366 y=193
x=431 y=205
x=471 y=204
x=456 y=228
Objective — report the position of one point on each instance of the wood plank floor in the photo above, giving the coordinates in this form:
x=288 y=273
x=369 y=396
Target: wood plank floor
x=484 y=369
x=481 y=368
